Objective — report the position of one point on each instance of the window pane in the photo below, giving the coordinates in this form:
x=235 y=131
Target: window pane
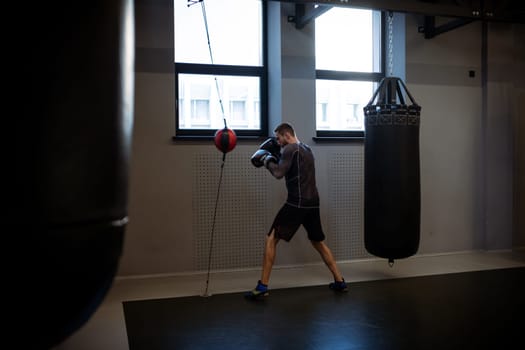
x=199 y=106
x=346 y=39
x=235 y=31
x=339 y=104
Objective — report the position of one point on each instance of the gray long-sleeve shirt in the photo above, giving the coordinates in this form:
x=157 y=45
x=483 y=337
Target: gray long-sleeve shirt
x=297 y=165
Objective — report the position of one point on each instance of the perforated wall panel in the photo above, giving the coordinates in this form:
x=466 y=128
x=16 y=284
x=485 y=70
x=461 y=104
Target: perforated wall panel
x=346 y=184
x=242 y=216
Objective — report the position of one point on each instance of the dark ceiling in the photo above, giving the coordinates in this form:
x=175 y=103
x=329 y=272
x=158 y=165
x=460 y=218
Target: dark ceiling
x=488 y=10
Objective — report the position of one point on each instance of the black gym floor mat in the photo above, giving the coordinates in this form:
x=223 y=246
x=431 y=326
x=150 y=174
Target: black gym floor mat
x=478 y=310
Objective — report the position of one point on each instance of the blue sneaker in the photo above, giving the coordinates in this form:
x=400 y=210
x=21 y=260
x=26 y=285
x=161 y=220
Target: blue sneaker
x=338 y=286
x=260 y=291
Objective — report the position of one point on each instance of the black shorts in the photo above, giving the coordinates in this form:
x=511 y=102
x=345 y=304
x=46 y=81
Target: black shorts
x=289 y=218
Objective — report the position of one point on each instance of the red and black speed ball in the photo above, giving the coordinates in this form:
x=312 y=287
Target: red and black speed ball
x=225 y=140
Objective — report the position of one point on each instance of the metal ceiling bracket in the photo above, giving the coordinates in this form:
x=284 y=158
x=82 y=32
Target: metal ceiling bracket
x=305 y=14
x=430 y=30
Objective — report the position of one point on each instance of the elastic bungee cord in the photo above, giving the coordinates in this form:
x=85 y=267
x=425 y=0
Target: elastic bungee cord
x=225 y=140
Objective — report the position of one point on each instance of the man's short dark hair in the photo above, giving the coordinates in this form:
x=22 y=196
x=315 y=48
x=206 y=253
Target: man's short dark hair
x=284 y=127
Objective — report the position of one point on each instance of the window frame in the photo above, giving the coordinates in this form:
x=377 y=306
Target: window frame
x=375 y=77
x=217 y=70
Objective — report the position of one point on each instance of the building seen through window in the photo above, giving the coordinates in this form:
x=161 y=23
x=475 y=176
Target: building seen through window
x=231 y=81
x=348 y=54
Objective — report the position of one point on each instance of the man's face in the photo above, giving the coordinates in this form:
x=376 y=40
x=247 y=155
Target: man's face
x=280 y=139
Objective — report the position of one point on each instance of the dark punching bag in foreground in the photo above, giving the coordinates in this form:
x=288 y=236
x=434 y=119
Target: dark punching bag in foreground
x=392 y=184
x=73 y=149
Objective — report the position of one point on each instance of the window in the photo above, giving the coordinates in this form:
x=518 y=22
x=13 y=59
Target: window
x=349 y=63
x=225 y=79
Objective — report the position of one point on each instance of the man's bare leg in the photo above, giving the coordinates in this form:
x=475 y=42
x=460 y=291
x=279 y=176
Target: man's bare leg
x=328 y=259
x=269 y=257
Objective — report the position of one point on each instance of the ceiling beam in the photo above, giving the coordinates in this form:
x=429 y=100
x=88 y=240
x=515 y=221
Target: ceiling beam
x=488 y=10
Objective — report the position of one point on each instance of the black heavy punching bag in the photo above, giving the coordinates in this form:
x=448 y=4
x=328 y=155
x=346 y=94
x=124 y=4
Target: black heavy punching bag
x=392 y=184
x=75 y=69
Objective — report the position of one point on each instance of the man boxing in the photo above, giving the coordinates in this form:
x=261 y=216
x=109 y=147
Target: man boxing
x=297 y=165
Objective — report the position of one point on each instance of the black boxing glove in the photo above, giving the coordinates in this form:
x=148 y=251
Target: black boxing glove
x=269 y=158
x=269 y=150
x=259 y=157
x=271 y=145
